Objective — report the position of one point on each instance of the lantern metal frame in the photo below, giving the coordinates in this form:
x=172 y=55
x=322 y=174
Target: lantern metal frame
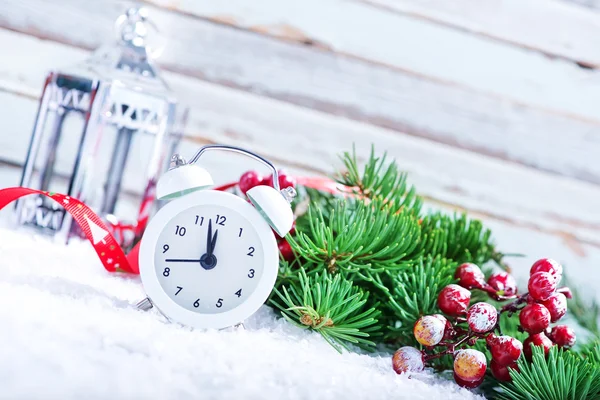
x=118 y=86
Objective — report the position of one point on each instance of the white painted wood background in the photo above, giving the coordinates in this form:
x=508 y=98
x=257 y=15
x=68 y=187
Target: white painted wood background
x=492 y=106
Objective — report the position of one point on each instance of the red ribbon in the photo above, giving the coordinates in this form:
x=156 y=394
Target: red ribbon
x=110 y=253
x=99 y=235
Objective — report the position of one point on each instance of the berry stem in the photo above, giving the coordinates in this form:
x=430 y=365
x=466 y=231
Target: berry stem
x=566 y=291
x=450 y=347
x=490 y=290
x=513 y=306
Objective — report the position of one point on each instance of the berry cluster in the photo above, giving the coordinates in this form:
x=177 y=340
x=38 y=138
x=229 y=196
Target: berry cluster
x=466 y=323
x=251 y=179
x=545 y=304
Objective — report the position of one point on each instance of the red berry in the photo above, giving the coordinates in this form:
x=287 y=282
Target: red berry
x=267 y=181
x=557 y=305
x=491 y=339
x=542 y=285
x=429 y=330
x=441 y=318
x=467 y=384
x=563 y=336
x=249 y=180
x=534 y=318
x=454 y=300
x=501 y=372
x=286 y=180
x=547 y=265
x=539 y=339
x=286 y=250
x=503 y=283
x=470 y=276
x=469 y=366
x=449 y=331
x=482 y=317
x=506 y=350
x=408 y=359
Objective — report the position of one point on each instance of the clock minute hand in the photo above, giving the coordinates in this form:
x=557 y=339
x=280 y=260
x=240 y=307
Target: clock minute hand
x=181 y=260
x=209 y=238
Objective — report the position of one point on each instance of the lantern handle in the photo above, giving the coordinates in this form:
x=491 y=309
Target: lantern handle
x=238 y=150
x=129 y=33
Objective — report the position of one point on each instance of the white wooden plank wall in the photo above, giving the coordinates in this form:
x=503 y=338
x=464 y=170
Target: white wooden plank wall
x=492 y=106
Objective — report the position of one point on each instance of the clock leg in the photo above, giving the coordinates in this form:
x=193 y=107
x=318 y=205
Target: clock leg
x=144 y=305
x=239 y=326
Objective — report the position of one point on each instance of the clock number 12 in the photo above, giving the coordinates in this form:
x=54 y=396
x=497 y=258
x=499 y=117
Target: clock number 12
x=221 y=220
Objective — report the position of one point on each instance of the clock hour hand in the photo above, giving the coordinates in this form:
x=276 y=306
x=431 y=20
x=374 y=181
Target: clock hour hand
x=181 y=260
x=214 y=242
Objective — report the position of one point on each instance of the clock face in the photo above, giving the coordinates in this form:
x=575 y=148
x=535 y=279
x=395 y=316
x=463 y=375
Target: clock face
x=209 y=258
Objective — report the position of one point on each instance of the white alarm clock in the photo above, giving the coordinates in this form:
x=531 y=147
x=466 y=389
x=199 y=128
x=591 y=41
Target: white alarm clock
x=209 y=259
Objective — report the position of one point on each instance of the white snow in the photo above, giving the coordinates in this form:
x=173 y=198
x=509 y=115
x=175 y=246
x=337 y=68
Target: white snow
x=69 y=331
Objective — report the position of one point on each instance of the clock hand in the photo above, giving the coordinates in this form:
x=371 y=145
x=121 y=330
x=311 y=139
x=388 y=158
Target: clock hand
x=208 y=260
x=209 y=238
x=181 y=260
x=214 y=242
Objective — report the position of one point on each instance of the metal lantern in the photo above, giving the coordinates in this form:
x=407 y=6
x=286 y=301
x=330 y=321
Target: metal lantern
x=103 y=132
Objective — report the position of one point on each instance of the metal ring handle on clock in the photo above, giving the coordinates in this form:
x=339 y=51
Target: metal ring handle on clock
x=271 y=202
x=238 y=150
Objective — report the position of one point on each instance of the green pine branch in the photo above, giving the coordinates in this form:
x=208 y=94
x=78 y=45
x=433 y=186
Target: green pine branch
x=562 y=375
x=377 y=239
x=357 y=237
x=458 y=238
x=331 y=306
x=380 y=180
x=414 y=294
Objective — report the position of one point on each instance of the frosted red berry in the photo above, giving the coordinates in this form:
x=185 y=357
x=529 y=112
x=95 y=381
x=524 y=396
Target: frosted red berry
x=470 y=276
x=286 y=250
x=408 y=359
x=467 y=384
x=539 y=339
x=547 y=265
x=454 y=300
x=249 y=180
x=429 y=330
x=534 y=318
x=542 y=285
x=557 y=305
x=441 y=318
x=482 y=317
x=469 y=366
x=503 y=283
x=449 y=331
x=563 y=336
x=286 y=180
x=506 y=350
x=491 y=339
x=501 y=372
